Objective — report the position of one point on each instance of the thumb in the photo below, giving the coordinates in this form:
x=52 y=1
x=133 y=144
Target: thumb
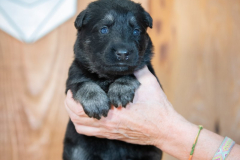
x=144 y=76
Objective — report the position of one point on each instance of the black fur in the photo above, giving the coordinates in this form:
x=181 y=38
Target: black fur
x=108 y=50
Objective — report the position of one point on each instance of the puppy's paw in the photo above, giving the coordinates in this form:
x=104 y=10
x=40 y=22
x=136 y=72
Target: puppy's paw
x=94 y=100
x=122 y=91
x=97 y=106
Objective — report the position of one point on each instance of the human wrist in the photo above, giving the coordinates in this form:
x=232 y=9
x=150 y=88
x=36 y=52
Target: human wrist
x=235 y=153
x=169 y=128
x=156 y=120
x=179 y=138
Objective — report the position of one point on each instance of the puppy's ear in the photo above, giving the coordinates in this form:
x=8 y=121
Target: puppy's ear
x=81 y=19
x=148 y=19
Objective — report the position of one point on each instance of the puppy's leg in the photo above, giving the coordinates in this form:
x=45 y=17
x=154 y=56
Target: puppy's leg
x=122 y=91
x=94 y=100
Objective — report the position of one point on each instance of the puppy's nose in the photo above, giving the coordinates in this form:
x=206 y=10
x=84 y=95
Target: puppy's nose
x=122 y=54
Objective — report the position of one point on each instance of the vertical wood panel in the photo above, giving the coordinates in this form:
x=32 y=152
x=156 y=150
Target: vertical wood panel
x=226 y=34
x=182 y=64
x=32 y=95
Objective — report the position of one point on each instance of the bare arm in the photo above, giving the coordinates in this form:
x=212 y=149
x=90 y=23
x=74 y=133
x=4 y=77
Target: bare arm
x=149 y=120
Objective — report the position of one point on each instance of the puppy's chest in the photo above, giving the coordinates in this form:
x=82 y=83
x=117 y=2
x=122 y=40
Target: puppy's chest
x=104 y=84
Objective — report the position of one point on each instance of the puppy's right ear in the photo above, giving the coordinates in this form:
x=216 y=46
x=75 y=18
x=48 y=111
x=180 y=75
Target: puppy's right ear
x=81 y=19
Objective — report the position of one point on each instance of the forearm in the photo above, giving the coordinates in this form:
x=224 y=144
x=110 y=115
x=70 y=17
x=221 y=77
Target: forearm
x=181 y=137
x=235 y=153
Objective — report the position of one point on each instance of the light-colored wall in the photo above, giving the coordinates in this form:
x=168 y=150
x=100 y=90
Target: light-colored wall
x=197 y=60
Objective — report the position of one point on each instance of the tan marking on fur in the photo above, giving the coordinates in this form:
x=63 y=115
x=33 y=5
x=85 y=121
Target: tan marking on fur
x=109 y=17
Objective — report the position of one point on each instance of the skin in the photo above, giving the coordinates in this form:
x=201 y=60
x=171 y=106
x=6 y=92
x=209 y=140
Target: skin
x=149 y=120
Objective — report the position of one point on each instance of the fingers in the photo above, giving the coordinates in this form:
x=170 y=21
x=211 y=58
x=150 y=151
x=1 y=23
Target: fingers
x=87 y=130
x=73 y=105
x=74 y=118
x=83 y=124
x=88 y=126
x=97 y=132
x=81 y=119
x=150 y=89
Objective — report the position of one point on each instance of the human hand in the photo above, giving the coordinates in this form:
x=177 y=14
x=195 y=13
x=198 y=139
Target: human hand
x=146 y=121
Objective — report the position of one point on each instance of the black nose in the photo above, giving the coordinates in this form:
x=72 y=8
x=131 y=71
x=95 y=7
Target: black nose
x=122 y=54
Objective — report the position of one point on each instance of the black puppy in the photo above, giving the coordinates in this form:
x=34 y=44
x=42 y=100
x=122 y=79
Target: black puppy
x=111 y=44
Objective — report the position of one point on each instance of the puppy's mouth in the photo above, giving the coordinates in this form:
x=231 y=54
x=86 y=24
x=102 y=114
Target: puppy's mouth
x=121 y=64
x=119 y=69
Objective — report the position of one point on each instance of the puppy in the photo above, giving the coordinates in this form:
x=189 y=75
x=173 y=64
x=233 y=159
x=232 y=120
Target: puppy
x=111 y=44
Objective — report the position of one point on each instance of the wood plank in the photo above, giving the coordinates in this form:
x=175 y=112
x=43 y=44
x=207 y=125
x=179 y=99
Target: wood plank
x=31 y=96
x=226 y=34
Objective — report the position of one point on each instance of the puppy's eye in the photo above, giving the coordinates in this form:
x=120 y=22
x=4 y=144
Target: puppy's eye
x=136 y=32
x=104 y=30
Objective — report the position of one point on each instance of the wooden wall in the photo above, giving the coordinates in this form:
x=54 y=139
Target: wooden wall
x=197 y=59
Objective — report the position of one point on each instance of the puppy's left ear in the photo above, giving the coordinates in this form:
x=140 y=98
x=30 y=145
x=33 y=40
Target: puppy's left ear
x=148 y=19
x=81 y=19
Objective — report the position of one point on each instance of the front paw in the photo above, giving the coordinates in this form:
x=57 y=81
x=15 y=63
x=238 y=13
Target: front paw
x=122 y=91
x=94 y=100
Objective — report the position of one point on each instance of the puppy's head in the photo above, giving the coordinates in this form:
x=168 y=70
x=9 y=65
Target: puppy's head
x=112 y=38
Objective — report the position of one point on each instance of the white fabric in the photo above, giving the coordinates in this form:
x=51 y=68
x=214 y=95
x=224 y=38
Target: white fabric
x=29 y=20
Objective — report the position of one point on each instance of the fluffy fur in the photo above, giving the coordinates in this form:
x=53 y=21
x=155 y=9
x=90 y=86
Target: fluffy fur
x=111 y=44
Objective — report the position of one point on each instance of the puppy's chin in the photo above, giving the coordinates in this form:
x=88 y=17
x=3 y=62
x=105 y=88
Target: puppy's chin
x=116 y=70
